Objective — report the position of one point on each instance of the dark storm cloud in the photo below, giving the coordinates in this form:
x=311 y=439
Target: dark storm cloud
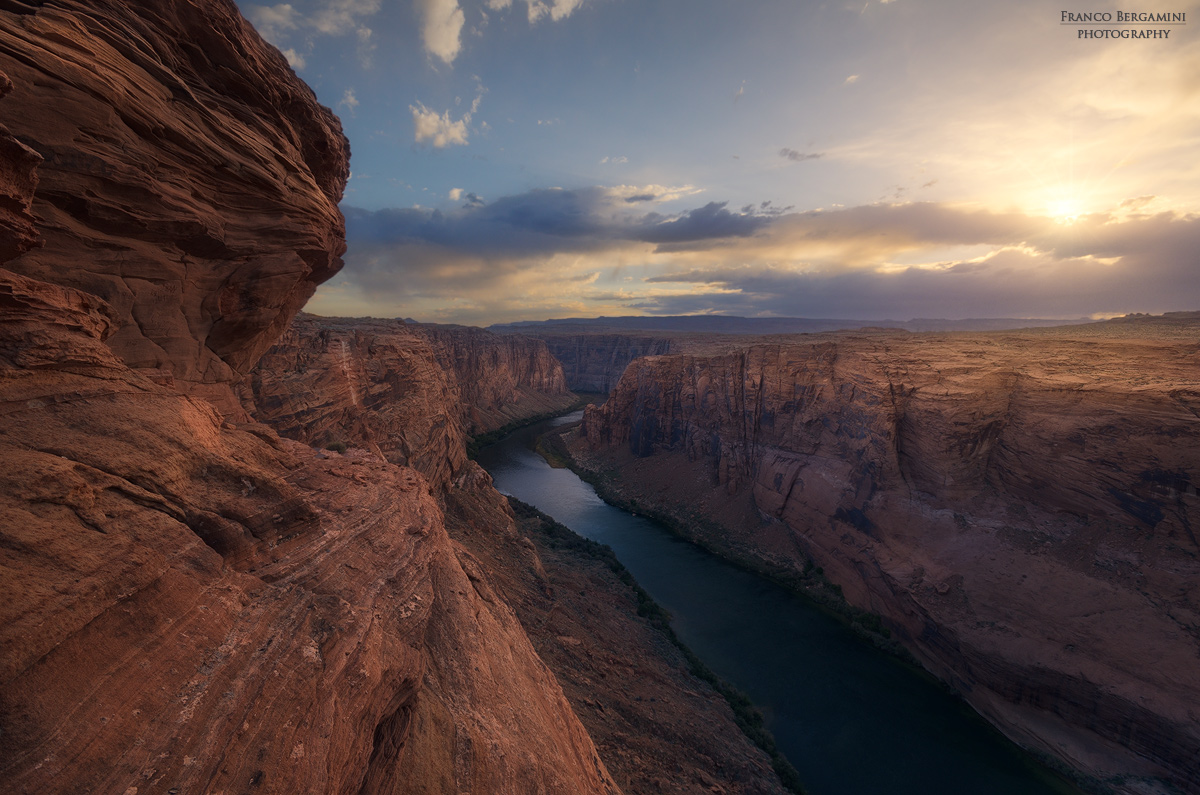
x=545 y=221
x=709 y=222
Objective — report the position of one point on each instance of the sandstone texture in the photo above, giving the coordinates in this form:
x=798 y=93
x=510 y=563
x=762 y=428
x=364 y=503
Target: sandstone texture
x=18 y=178
x=1021 y=509
x=187 y=177
x=658 y=728
x=209 y=608
x=412 y=392
x=593 y=362
x=189 y=603
x=501 y=379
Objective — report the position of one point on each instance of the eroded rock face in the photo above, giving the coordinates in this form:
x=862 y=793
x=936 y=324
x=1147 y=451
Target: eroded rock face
x=18 y=178
x=413 y=392
x=188 y=177
x=188 y=602
x=1022 y=510
x=501 y=378
x=594 y=362
x=191 y=605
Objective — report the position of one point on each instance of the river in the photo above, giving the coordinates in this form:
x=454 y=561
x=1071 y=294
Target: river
x=851 y=719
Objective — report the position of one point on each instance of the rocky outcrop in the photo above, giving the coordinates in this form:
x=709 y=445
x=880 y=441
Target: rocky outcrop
x=501 y=379
x=188 y=602
x=1020 y=509
x=362 y=382
x=18 y=178
x=412 y=392
x=659 y=728
x=198 y=606
x=190 y=180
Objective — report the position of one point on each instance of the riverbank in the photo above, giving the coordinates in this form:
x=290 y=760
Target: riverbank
x=659 y=724
x=557 y=448
x=562 y=447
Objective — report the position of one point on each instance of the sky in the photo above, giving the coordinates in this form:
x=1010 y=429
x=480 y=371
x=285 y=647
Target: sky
x=533 y=159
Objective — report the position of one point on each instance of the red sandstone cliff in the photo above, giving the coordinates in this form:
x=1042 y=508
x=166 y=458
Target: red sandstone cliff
x=501 y=379
x=593 y=362
x=1021 y=509
x=413 y=392
x=189 y=179
x=188 y=602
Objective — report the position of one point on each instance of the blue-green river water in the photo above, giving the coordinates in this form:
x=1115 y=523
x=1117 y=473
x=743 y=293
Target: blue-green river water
x=852 y=720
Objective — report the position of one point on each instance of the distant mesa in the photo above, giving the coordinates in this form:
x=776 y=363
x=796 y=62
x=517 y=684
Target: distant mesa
x=730 y=324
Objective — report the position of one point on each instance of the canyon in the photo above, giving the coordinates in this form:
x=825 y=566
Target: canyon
x=1020 y=509
x=245 y=548
x=197 y=596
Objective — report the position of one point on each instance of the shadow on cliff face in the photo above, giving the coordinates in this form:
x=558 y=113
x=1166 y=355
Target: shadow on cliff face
x=1018 y=507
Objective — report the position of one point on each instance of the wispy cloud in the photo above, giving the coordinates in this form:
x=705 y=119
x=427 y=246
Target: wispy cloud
x=294 y=59
x=797 y=157
x=349 y=101
x=279 y=23
x=538 y=9
x=273 y=21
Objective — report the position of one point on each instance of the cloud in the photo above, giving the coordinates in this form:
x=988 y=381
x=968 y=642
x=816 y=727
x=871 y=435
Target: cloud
x=278 y=23
x=614 y=160
x=441 y=131
x=539 y=253
x=712 y=221
x=342 y=16
x=852 y=79
x=438 y=130
x=349 y=101
x=796 y=157
x=441 y=28
x=272 y=21
x=555 y=9
x=294 y=59
x=539 y=9
x=472 y=199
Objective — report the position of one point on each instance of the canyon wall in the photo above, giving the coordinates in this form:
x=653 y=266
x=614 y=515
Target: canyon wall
x=187 y=177
x=1020 y=509
x=414 y=393
x=189 y=602
x=594 y=362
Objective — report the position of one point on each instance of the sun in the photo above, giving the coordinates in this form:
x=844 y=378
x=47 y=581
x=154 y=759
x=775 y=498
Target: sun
x=1065 y=210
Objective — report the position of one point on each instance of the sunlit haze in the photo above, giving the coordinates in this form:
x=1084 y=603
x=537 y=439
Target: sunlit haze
x=531 y=159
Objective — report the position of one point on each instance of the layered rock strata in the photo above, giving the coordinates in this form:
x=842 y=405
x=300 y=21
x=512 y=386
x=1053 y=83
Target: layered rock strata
x=1020 y=509
x=659 y=728
x=187 y=602
x=594 y=362
x=192 y=605
x=188 y=178
x=501 y=379
x=412 y=392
